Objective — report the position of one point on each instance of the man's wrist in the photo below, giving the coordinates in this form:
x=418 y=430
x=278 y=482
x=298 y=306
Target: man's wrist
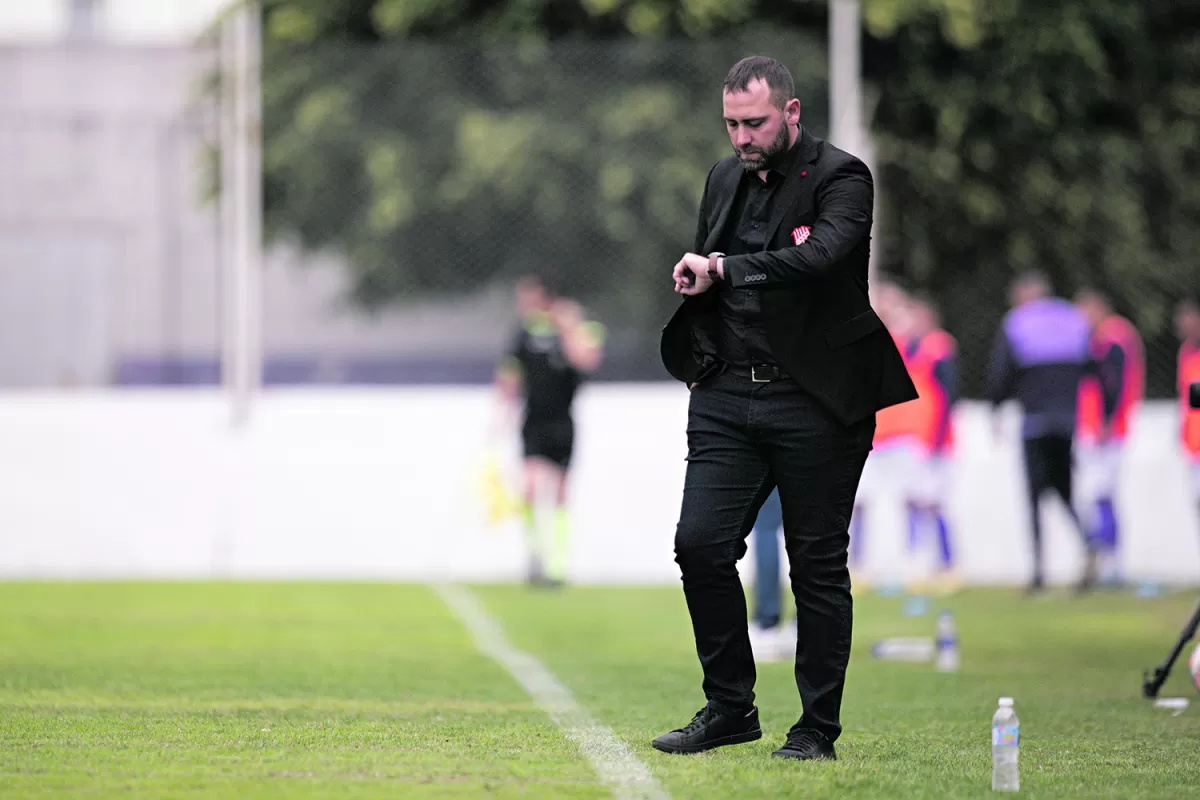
x=716 y=266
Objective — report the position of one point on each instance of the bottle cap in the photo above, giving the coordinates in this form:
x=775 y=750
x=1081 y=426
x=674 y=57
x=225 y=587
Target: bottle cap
x=1006 y=702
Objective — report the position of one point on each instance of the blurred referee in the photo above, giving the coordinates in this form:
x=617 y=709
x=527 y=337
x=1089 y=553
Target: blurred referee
x=554 y=349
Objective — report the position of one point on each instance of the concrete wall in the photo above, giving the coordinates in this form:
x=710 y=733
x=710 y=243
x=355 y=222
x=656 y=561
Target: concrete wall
x=110 y=253
x=380 y=484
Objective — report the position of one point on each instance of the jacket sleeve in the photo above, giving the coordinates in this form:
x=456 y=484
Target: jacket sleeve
x=844 y=208
x=1002 y=370
x=945 y=372
x=1112 y=379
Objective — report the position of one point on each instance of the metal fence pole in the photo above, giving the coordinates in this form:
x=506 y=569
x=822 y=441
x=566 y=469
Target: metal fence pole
x=241 y=205
x=845 y=82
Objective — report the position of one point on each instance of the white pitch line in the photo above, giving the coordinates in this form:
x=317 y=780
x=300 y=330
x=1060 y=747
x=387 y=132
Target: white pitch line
x=619 y=768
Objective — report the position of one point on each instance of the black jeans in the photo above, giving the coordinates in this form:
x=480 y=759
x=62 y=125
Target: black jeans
x=1048 y=466
x=745 y=438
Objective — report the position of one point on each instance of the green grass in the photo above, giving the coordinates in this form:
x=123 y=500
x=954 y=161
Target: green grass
x=240 y=690
x=370 y=690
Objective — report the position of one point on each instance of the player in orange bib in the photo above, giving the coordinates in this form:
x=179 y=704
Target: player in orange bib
x=1187 y=326
x=890 y=460
x=1109 y=398
x=932 y=357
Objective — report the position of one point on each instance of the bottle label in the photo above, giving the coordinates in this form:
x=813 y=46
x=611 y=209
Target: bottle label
x=1006 y=735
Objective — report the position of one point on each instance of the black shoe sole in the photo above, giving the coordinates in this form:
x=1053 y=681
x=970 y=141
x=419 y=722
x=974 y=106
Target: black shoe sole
x=795 y=756
x=737 y=738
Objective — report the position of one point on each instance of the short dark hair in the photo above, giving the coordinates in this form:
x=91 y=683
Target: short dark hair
x=885 y=279
x=924 y=298
x=1092 y=293
x=776 y=76
x=1034 y=277
x=536 y=280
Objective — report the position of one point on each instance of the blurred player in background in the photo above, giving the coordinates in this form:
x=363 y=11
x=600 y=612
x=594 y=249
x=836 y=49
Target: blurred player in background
x=1039 y=357
x=554 y=349
x=1187 y=327
x=1108 y=399
x=932 y=357
x=891 y=458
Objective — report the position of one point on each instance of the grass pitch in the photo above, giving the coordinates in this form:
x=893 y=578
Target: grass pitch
x=373 y=690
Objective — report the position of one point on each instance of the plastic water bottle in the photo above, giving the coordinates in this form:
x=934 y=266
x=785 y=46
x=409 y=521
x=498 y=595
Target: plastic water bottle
x=947 y=644
x=904 y=648
x=1006 y=744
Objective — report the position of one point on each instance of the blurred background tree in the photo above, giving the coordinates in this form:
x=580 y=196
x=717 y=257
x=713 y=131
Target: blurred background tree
x=424 y=141
x=446 y=146
x=1017 y=134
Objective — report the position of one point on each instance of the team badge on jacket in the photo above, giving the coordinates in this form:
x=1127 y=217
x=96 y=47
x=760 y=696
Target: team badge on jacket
x=800 y=235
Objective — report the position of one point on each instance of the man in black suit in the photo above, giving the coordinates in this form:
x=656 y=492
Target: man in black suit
x=787 y=365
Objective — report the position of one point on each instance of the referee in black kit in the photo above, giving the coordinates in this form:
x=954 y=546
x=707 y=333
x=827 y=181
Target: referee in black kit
x=554 y=350
x=787 y=364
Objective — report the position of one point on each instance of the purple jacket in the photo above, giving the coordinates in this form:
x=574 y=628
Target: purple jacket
x=1039 y=357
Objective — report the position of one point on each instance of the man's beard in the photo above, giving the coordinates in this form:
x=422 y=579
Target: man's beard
x=769 y=157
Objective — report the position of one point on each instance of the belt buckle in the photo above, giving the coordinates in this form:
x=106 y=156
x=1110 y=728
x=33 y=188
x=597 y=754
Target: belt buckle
x=754 y=376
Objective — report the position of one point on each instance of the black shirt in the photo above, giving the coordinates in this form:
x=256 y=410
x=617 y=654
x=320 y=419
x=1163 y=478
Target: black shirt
x=743 y=337
x=548 y=379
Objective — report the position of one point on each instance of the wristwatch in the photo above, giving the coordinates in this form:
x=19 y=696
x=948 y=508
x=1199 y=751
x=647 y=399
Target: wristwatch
x=712 y=266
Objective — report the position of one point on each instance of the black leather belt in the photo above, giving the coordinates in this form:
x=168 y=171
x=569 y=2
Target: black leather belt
x=759 y=373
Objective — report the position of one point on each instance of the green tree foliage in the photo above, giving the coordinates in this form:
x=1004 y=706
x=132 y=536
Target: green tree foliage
x=1019 y=134
x=442 y=146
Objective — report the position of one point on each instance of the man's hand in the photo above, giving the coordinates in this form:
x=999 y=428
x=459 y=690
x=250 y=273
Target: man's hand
x=698 y=282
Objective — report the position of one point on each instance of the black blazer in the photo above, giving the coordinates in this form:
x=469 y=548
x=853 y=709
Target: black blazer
x=818 y=320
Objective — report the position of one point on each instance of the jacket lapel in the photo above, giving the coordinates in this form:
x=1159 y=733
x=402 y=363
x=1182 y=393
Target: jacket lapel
x=793 y=185
x=726 y=192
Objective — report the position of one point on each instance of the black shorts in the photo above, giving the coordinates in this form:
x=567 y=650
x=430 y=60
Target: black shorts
x=1048 y=466
x=551 y=440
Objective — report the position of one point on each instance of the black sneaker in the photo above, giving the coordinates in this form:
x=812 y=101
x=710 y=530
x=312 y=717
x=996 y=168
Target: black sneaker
x=805 y=744
x=709 y=729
